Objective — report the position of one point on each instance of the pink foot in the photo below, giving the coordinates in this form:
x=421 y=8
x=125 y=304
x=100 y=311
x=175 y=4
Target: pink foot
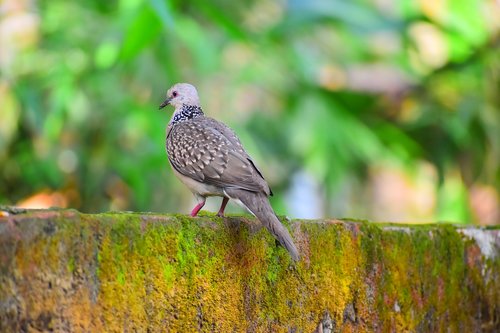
x=197 y=208
x=222 y=207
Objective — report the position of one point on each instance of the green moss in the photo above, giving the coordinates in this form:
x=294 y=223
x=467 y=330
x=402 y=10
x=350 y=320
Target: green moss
x=71 y=264
x=160 y=272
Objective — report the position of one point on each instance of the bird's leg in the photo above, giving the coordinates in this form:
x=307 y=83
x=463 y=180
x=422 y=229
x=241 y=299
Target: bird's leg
x=222 y=207
x=197 y=208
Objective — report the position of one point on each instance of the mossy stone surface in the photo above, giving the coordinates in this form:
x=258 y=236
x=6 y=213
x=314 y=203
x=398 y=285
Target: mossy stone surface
x=61 y=270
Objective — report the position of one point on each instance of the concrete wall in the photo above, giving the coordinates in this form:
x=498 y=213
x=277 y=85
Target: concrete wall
x=61 y=270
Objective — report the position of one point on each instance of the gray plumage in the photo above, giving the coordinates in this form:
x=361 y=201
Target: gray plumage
x=210 y=160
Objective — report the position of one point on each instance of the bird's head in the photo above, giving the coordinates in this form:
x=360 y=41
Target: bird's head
x=181 y=94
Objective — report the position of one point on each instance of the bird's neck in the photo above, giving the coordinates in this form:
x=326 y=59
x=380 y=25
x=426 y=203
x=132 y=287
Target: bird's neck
x=186 y=112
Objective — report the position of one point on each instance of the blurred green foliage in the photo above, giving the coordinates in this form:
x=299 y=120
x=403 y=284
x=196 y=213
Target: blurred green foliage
x=334 y=89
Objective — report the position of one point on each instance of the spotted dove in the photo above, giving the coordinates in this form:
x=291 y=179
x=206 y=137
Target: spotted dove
x=210 y=160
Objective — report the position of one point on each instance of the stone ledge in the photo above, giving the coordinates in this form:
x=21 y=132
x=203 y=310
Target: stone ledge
x=61 y=270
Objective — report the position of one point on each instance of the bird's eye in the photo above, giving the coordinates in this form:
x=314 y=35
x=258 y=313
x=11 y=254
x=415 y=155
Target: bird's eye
x=174 y=94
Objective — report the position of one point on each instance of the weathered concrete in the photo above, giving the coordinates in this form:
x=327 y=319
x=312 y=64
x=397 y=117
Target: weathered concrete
x=62 y=270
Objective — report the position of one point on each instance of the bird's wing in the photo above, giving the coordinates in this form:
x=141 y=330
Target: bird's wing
x=233 y=138
x=199 y=149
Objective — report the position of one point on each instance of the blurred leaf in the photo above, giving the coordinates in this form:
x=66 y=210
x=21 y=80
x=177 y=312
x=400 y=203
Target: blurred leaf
x=10 y=117
x=354 y=15
x=106 y=54
x=202 y=50
x=453 y=203
x=163 y=10
x=466 y=20
x=400 y=144
x=145 y=27
x=223 y=18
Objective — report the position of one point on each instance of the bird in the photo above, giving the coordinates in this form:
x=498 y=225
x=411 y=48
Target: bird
x=208 y=157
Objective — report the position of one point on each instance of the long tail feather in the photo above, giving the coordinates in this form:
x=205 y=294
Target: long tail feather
x=258 y=204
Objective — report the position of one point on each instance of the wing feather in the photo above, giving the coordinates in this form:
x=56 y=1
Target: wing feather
x=209 y=152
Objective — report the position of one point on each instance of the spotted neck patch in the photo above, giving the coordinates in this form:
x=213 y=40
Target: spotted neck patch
x=187 y=112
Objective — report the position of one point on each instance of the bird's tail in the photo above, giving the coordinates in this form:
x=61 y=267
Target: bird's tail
x=258 y=204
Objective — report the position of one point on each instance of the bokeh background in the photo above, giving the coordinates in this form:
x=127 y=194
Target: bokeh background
x=375 y=109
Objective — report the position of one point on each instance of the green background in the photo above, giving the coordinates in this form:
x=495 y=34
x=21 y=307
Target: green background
x=385 y=110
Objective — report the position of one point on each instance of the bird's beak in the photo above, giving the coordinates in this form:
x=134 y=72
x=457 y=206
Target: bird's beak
x=165 y=103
